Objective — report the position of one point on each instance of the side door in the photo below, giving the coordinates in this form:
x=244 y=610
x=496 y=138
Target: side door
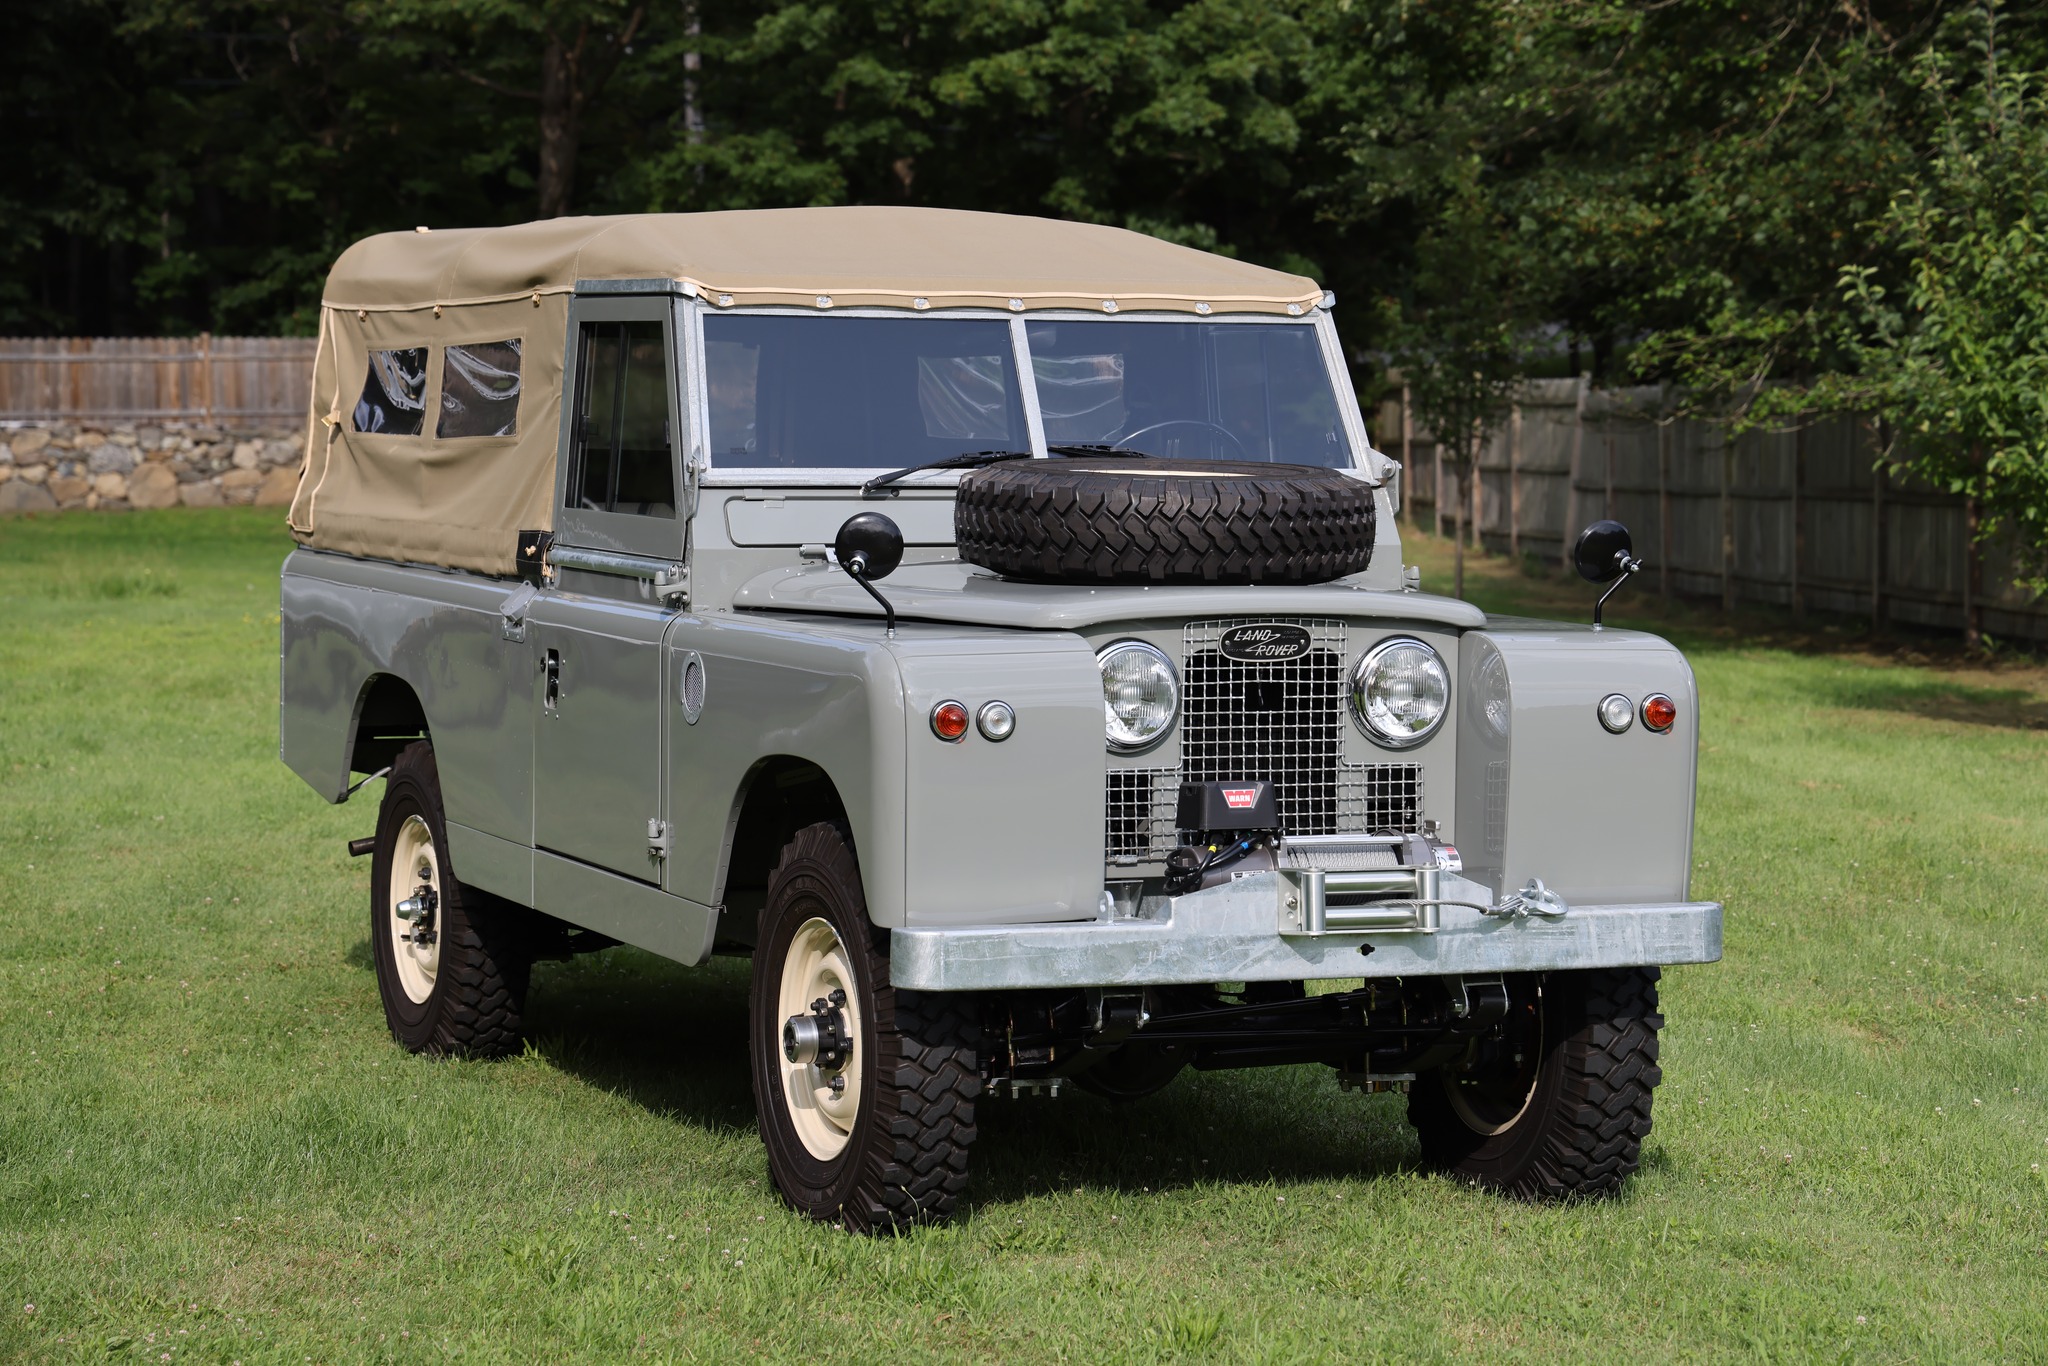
x=597 y=630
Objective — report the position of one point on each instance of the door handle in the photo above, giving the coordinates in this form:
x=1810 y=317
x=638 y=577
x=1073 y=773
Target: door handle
x=553 y=694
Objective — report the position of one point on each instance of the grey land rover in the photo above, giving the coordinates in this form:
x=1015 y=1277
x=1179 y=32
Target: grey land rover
x=996 y=628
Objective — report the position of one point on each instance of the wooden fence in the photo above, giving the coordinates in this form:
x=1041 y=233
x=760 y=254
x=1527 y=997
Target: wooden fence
x=130 y=379
x=1799 y=518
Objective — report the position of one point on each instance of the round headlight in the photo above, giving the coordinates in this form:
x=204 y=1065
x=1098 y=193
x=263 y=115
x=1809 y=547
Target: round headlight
x=1140 y=694
x=1400 y=691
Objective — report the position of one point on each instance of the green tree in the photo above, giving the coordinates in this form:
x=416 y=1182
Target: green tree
x=557 y=57
x=1462 y=338
x=1957 y=357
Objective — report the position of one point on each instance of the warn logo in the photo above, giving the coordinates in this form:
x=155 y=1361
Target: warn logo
x=1240 y=798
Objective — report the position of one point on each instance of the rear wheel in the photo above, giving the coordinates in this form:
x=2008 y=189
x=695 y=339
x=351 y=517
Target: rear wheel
x=865 y=1093
x=452 y=964
x=1554 y=1102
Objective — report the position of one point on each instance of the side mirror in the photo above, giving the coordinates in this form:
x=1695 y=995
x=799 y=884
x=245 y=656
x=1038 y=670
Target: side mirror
x=869 y=546
x=1603 y=552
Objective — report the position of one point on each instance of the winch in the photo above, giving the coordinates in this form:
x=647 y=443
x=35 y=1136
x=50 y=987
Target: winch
x=1334 y=883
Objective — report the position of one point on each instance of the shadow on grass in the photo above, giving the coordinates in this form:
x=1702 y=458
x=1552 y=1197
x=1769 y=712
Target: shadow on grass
x=668 y=1038
x=673 y=1040
x=1933 y=699
x=1278 y=1126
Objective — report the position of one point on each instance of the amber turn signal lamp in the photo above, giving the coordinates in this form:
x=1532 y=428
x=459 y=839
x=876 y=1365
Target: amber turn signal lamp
x=949 y=720
x=1659 y=712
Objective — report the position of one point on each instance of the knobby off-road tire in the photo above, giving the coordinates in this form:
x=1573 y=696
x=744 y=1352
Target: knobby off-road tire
x=1129 y=520
x=464 y=994
x=890 y=1151
x=1589 y=1047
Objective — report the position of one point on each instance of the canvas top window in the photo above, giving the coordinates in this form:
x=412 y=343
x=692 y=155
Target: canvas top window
x=394 y=398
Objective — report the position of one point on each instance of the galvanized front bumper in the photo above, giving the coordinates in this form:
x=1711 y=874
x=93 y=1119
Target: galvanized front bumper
x=1234 y=933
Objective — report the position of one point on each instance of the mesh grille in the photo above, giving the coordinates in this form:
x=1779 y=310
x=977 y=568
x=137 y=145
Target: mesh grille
x=1139 y=812
x=1279 y=721
x=1496 y=806
x=1378 y=798
x=1276 y=721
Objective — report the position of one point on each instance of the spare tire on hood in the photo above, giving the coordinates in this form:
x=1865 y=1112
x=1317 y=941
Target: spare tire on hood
x=1139 y=519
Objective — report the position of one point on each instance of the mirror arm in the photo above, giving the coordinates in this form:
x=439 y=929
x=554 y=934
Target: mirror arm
x=1629 y=566
x=857 y=569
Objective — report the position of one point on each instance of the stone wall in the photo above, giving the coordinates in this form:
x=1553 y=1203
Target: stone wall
x=107 y=466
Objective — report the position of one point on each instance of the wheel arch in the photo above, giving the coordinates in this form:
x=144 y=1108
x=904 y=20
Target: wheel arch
x=779 y=795
x=388 y=716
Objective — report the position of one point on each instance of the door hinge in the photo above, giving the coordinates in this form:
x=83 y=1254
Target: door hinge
x=657 y=839
x=513 y=613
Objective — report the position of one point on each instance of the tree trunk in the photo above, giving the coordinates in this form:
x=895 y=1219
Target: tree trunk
x=561 y=118
x=693 y=64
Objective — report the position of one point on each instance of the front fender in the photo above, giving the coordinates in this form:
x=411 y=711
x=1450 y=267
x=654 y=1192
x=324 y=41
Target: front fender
x=1545 y=791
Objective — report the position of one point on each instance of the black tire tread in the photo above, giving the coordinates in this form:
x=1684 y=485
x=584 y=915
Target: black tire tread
x=912 y=1160
x=480 y=990
x=1593 y=1125
x=1140 y=521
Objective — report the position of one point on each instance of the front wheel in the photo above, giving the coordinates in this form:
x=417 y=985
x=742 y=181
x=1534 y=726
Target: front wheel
x=1554 y=1102
x=865 y=1093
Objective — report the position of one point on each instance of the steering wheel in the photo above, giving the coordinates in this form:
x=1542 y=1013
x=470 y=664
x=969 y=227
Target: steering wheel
x=1228 y=435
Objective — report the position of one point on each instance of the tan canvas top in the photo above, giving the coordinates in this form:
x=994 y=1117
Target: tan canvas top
x=851 y=255
x=462 y=500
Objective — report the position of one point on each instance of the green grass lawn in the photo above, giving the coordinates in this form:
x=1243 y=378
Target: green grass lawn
x=211 y=1151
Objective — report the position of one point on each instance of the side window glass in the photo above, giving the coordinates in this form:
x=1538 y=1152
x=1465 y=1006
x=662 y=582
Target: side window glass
x=480 y=390
x=646 y=478
x=621 y=451
x=394 y=401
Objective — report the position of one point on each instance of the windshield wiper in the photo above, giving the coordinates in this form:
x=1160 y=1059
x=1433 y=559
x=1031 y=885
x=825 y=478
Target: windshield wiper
x=972 y=460
x=1071 y=449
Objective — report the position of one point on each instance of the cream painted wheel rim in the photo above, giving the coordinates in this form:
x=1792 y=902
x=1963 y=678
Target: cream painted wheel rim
x=1461 y=1104
x=816 y=964
x=414 y=865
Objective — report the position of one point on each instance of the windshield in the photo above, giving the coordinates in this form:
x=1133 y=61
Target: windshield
x=867 y=393
x=859 y=393
x=1195 y=391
